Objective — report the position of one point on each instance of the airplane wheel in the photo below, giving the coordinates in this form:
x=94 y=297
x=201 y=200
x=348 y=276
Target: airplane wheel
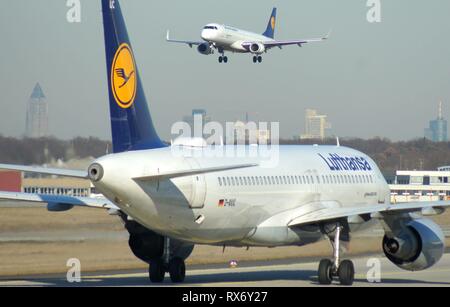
x=346 y=273
x=157 y=271
x=225 y=59
x=325 y=272
x=220 y=59
x=177 y=270
x=259 y=59
x=255 y=59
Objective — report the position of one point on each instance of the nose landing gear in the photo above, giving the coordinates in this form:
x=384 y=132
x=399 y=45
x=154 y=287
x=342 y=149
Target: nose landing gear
x=344 y=270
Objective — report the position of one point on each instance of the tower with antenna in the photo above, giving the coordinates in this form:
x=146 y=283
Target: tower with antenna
x=437 y=130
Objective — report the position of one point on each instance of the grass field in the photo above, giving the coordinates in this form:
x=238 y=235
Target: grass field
x=25 y=257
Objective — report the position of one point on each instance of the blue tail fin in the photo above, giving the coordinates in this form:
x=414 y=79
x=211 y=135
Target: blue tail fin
x=131 y=123
x=270 y=31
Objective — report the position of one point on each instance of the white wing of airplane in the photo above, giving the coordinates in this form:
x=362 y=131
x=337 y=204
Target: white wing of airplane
x=190 y=43
x=326 y=213
x=276 y=43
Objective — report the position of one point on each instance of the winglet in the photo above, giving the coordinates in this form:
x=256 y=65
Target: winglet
x=168 y=35
x=328 y=34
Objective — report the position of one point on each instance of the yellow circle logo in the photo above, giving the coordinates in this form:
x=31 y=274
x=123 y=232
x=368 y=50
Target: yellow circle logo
x=272 y=22
x=123 y=77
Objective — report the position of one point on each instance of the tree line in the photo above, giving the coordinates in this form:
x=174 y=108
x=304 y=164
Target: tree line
x=418 y=154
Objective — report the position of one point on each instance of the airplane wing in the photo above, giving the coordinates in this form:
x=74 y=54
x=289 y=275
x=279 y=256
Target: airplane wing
x=326 y=213
x=59 y=202
x=276 y=43
x=190 y=43
x=47 y=171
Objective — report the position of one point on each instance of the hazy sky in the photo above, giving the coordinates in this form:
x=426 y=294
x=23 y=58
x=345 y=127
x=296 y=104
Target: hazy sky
x=382 y=79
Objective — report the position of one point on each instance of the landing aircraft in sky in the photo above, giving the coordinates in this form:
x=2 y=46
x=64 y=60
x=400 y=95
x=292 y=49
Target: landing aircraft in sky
x=226 y=38
x=169 y=203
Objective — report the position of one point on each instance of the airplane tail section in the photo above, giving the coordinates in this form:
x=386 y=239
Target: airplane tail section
x=270 y=31
x=131 y=123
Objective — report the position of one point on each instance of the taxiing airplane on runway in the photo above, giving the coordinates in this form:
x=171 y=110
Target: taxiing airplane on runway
x=226 y=38
x=169 y=203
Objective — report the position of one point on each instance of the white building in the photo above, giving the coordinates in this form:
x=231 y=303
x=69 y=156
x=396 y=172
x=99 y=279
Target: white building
x=316 y=125
x=420 y=185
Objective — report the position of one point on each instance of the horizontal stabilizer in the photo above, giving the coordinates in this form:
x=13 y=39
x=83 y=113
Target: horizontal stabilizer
x=191 y=172
x=59 y=200
x=45 y=170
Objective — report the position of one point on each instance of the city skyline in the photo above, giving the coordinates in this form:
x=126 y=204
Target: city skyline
x=365 y=74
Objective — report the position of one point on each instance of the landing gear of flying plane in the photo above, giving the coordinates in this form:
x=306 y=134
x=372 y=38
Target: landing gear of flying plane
x=257 y=59
x=223 y=59
x=343 y=270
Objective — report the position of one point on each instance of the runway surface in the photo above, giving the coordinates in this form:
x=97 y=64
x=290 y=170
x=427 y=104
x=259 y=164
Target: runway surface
x=291 y=273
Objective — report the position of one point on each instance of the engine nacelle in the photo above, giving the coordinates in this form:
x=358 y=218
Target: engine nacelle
x=417 y=246
x=257 y=48
x=146 y=246
x=205 y=49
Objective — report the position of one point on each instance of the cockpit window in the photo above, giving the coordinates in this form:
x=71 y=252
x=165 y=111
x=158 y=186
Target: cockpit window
x=210 y=27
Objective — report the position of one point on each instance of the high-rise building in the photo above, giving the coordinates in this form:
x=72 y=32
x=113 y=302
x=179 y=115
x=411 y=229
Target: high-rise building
x=249 y=132
x=197 y=121
x=37 y=114
x=437 y=130
x=316 y=125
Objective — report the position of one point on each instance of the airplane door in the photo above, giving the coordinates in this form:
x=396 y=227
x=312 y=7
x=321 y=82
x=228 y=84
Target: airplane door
x=198 y=194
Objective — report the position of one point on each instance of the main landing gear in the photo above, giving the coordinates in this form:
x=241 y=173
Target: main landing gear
x=343 y=270
x=175 y=267
x=223 y=59
x=160 y=266
x=257 y=58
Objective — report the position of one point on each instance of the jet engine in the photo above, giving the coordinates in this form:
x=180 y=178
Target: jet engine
x=205 y=49
x=416 y=246
x=257 y=48
x=146 y=246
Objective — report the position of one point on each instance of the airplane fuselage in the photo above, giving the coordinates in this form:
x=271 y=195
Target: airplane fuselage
x=230 y=38
x=242 y=206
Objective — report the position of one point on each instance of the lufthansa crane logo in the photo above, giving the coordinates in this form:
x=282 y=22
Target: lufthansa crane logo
x=272 y=22
x=123 y=77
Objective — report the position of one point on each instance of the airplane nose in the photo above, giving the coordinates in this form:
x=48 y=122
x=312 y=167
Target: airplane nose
x=203 y=35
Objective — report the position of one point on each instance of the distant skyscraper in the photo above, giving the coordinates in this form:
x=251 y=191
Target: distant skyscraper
x=437 y=131
x=37 y=114
x=200 y=119
x=316 y=125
